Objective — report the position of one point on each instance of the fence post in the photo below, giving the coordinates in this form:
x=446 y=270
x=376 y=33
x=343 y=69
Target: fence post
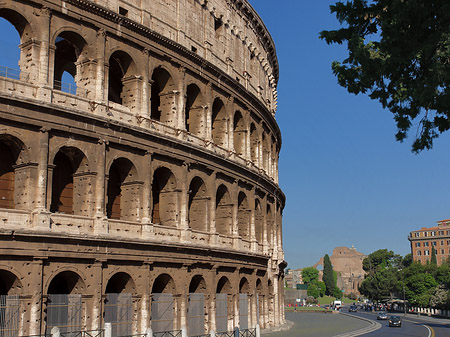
x=212 y=333
x=149 y=332
x=108 y=330
x=183 y=332
x=55 y=332
x=236 y=332
x=258 y=330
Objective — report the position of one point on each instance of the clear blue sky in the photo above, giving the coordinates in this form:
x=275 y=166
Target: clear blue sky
x=346 y=179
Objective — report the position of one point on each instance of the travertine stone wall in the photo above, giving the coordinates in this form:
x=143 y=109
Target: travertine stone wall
x=155 y=171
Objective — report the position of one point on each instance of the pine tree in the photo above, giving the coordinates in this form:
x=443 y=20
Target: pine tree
x=433 y=256
x=328 y=277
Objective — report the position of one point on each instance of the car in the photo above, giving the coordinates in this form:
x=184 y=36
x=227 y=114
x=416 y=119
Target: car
x=382 y=316
x=353 y=308
x=395 y=321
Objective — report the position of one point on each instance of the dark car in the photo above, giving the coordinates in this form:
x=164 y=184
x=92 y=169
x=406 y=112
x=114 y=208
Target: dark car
x=395 y=321
x=382 y=316
x=353 y=308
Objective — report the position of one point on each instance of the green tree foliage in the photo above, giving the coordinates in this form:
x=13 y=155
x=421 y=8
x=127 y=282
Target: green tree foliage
x=310 y=274
x=328 y=277
x=316 y=289
x=420 y=288
x=378 y=260
x=381 y=284
x=398 y=54
x=433 y=260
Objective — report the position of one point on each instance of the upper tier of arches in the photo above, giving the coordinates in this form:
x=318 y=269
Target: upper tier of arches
x=141 y=86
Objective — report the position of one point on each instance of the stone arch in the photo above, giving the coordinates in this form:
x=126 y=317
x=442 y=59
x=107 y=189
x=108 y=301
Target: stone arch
x=68 y=57
x=164 y=304
x=9 y=283
x=244 y=286
x=163 y=284
x=224 y=286
x=164 y=197
x=163 y=105
x=243 y=216
x=239 y=133
x=224 y=304
x=198 y=205
x=23 y=28
x=68 y=191
x=259 y=222
x=195 y=117
x=64 y=303
x=11 y=154
x=66 y=282
x=224 y=211
x=197 y=306
x=123 y=190
x=118 y=308
x=254 y=144
x=219 y=123
x=122 y=79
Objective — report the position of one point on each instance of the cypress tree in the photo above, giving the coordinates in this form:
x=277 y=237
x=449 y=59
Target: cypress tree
x=433 y=256
x=328 y=277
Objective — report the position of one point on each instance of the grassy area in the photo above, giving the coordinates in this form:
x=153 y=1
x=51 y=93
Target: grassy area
x=328 y=299
x=305 y=309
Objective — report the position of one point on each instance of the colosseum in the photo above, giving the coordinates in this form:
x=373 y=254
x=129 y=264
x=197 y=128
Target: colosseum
x=139 y=170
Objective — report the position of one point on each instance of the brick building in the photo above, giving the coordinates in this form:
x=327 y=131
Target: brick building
x=424 y=239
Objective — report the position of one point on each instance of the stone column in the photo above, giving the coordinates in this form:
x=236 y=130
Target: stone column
x=45 y=19
x=181 y=99
x=101 y=93
x=211 y=217
x=144 y=112
x=229 y=108
x=235 y=231
x=184 y=200
x=147 y=227
x=145 y=299
x=208 y=122
x=276 y=310
x=41 y=215
x=96 y=321
x=100 y=225
x=36 y=326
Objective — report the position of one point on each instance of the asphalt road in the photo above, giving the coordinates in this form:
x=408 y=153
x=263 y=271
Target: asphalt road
x=346 y=324
x=412 y=326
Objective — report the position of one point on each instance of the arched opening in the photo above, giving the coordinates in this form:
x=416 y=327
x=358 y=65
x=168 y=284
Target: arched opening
x=260 y=303
x=69 y=49
x=13 y=27
x=198 y=205
x=197 y=310
x=244 y=290
x=254 y=144
x=10 y=290
x=163 y=304
x=119 y=305
x=224 y=208
x=219 y=123
x=122 y=85
x=239 y=133
x=224 y=305
x=195 y=120
x=163 y=97
x=269 y=221
x=68 y=197
x=64 y=304
x=123 y=191
x=259 y=222
x=164 y=198
x=7 y=177
x=243 y=216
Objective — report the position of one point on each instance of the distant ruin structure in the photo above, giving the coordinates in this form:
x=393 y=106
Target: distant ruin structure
x=143 y=194
x=347 y=262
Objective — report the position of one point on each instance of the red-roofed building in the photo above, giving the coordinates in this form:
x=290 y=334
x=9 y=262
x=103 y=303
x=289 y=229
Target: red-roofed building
x=425 y=239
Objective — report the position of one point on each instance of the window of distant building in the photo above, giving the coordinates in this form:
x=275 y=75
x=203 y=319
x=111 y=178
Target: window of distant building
x=425 y=234
x=427 y=252
x=433 y=233
x=442 y=242
x=419 y=253
x=441 y=232
x=442 y=252
x=416 y=234
x=417 y=244
x=448 y=242
x=434 y=243
x=426 y=244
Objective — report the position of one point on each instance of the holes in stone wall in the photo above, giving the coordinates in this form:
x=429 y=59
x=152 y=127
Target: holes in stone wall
x=243 y=216
x=224 y=210
x=219 y=123
x=198 y=205
x=195 y=119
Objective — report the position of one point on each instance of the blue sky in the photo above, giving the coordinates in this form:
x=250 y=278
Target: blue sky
x=347 y=181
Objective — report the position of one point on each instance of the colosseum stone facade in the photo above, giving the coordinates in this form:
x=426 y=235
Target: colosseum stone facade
x=144 y=197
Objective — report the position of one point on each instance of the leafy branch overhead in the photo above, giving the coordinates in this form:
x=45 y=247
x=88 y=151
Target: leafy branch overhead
x=399 y=55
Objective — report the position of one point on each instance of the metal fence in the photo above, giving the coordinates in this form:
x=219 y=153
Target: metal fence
x=69 y=88
x=119 y=312
x=162 y=313
x=9 y=73
x=175 y=333
x=221 y=312
x=9 y=315
x=196 y=315
x=247 y=333
x=64 y=311
x=243 y=311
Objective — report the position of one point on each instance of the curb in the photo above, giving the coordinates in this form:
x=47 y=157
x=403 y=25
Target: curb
x=372 y=327
x=286 y=326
